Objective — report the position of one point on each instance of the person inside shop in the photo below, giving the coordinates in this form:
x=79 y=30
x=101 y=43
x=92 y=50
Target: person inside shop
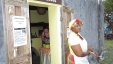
x=45 y=49
x=78 y=45
x=45 y=37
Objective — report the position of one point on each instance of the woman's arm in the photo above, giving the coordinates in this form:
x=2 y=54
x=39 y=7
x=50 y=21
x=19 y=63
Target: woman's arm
x=78 y=51
x=90 y=49
x=93 y=52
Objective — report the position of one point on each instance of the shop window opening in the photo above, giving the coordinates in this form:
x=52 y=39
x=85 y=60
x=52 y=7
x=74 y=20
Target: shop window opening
x=39 y=29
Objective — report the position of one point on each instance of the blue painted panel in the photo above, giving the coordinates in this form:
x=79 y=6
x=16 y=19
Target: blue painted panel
x=92 y=12
x=2 y=43
x=88 y=10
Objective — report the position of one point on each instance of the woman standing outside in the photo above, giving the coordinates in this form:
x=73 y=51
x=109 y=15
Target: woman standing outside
x=78 y=45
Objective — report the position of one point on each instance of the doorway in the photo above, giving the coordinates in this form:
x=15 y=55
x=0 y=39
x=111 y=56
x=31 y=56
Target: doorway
x=40 y=41
x=54 y=22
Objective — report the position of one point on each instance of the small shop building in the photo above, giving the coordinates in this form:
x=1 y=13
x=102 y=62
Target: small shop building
x=22 y=23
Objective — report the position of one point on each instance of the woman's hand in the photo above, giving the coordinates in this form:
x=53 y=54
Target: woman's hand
x=95 y=54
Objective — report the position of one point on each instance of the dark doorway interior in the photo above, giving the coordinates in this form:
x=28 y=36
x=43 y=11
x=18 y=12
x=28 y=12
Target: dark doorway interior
x=38 y=20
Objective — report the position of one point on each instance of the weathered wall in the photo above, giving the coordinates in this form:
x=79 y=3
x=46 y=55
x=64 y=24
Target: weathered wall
x=101 y=25
x=2 y=43
x=17 y=54
x=88 y=11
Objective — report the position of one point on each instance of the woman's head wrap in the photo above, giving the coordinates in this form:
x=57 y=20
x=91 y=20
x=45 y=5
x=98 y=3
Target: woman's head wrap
x=76 y=22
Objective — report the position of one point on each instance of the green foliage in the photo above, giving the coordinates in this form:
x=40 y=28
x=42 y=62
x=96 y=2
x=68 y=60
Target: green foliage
x=108 y=55
x=108 y=5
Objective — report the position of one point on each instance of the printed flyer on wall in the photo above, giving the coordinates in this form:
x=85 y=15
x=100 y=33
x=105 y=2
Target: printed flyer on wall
x=19 y=31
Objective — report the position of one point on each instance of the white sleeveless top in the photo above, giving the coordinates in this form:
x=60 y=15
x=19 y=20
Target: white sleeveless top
x=74 y=39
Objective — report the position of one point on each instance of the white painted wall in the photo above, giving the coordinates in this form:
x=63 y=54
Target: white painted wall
x=55 y=34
